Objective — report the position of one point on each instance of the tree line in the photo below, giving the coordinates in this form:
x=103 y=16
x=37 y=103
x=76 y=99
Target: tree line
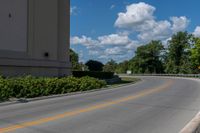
x=181 y=55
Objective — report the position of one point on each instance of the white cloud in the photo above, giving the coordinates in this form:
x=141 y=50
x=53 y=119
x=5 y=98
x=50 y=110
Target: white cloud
x=135 y=15
x=103 y=41
x=94 y=52
x=73 y=10
x=159 y=31
x=197 y=31
x=140 y=19
x=112 y=6
x=133 y=45
x=114 y=39
x=103 y=57
x=117 y=58
x=85 y=41
x=179 y=23
x=115 y=51
x=108 y=46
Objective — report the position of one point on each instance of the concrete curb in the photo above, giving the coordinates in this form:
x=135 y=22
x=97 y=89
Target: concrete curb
x=193 y=126
x=26 y=100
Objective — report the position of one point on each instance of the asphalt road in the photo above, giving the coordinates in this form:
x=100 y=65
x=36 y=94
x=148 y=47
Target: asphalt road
x=155 y=105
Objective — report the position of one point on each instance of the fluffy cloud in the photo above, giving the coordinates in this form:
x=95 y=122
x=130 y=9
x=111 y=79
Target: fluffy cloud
x=159 y=31
x=85 y=41
x=113 y=46
x=133 y=45
x=197 y=31
x=117 y=58
x=115 y=51
x=179 y=23
x=73 y=10
x=139 y=17
x=80 y=40
x=114 y=39
x=135 y=15
x=102 y=41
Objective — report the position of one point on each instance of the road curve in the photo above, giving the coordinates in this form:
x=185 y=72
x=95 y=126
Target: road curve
x=154 y=105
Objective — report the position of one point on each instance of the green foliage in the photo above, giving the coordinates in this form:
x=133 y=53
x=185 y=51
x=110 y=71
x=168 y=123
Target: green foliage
x=29 y=87
x=74 y=58
x=195 y=55
x=110 y=66
x=95 y=74
x=122 y=67
x=5 y=90
x=94 y=65
x=88 y=83
x=147 y=58
x=181 y=56
x=178 y=57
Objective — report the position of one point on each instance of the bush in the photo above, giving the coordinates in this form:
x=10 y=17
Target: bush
x=29 y=87
x=5 y=90
x=88 y=83
x=94 y=65
x=95 y=74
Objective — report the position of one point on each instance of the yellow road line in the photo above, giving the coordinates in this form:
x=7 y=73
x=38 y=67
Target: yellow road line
x=84 y=110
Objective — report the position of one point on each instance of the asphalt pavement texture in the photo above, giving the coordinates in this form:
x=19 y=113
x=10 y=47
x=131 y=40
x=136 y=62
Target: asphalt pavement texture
x=153 y=105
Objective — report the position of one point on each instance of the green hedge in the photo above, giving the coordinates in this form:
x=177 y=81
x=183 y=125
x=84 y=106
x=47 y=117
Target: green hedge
x=95 y=74
x=29 y=87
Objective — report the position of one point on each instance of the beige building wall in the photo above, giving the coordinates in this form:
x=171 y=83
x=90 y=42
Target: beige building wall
x=43 y=49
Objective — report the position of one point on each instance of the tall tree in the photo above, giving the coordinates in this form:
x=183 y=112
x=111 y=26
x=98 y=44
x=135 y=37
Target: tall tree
x=195 y=55
x=147 y=58
x=110 y=66
x=178 y=60
x=74 y=60
x=94 y=65
x=122 y=67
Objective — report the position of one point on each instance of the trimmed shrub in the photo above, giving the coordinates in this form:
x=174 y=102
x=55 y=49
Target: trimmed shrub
x=94 y=65
x=5 y=90
x=29 y=87
x=88 y=83
x=94 y=74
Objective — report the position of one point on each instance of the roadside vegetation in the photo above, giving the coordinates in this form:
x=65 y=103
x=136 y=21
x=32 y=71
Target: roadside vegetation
x=29 y=87
x=180 y=55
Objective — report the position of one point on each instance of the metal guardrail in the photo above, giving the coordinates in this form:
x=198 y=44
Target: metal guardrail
x=168 y=75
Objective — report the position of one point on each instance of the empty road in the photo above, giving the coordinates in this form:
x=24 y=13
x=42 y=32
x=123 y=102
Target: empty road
x=154 y=105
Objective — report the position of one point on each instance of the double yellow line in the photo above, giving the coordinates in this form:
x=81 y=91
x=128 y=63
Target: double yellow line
x=84 y=110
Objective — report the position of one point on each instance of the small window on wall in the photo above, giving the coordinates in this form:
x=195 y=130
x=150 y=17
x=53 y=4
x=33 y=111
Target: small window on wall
x=13 y=25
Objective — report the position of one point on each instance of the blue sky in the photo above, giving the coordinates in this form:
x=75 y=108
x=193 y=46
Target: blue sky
x=113 y=29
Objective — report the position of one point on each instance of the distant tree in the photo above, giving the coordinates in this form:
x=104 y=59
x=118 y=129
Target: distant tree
x=110 y=66
x=134 y=65
x=147 y=58
x=74 y=60
x=178 y=56
x=94 y=65
x=122 y=67
x=195 y=55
